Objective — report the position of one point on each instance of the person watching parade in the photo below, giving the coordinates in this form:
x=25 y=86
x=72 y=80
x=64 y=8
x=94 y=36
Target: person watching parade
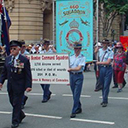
x=77 y=64
x=105 y=59
x=98 y=85
x=119 y=66
x=18 y=74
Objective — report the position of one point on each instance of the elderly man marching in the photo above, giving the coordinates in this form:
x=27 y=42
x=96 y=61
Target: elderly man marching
x=19 y=79
x=105 y=58
x=77 y=63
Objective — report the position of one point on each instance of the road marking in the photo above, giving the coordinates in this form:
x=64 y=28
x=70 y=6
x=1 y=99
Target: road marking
x=35 y=115
x=33 y=94
x=2 y=112
x=87 y=96
x=3 y=93
x=38 y=94
x=43 y=116
x=116 y=98
x=93 y=121
x=59 y=118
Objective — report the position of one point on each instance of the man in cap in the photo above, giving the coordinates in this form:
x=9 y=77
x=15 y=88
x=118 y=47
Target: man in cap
x=98 y=85
x=77 y=64
x=105 y=58
x=23 y=48
x=46 y=87
x=48 y=48
x=17 y=72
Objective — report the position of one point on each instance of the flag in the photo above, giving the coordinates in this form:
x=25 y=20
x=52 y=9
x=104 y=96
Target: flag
x=0 y=8
x=6 y=23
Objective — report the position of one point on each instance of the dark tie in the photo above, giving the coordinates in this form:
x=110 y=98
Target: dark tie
x=13 y=60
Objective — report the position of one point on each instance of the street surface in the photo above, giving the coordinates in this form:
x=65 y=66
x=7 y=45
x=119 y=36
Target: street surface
x=56 y=112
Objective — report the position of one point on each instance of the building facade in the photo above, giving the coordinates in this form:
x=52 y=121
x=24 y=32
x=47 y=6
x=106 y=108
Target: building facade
x=32 y=21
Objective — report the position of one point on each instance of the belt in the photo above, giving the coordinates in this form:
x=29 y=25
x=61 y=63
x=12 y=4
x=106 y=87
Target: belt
x=106 y=66
x=75 y=73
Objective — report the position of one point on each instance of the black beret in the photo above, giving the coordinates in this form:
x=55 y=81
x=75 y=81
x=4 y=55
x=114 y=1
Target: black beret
x=46 y=42
x=22 y=42
x=15 y=43
x=105 y=41
x=77 y=45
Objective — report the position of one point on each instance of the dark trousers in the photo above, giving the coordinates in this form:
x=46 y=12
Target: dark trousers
x=105 y=79
x=98 y=84
x=46 y=91
x=16 y=101
x=76 y=82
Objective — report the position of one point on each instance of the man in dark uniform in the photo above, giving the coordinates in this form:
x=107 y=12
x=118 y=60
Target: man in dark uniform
x=17 y=72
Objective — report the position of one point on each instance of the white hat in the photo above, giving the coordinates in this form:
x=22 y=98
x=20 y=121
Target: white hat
x=98 y=44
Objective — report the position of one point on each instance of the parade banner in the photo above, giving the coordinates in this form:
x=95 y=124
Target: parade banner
x=124 y=41
x=49 y=68
x=74 y=23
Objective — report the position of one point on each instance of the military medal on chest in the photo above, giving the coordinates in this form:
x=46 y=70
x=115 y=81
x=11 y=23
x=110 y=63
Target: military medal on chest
x=19 y=66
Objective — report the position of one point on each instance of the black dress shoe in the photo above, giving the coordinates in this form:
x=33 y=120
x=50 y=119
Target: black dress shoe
x=49 y=96
x=14 y=125
x=101 y=103
x=104 y=105
x=115 y=87
x=123 y=85
x=44 y=101
x=22 y=106
x=96 y=90
x=73 y=115
x=78 y=111
x=25 y=99
x=21 y=118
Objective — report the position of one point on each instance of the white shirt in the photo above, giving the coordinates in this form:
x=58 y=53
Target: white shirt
x=16 y=58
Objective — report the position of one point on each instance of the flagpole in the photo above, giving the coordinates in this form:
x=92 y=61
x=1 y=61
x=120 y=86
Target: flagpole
x=53 y=22
x=6 y=25
x=97 y=17
x=5 y=18
x=0 y=24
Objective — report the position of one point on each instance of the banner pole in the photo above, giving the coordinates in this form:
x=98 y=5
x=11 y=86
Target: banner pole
x=5 y=18
x=53 y=22
x=0 y=23
x=97 y=12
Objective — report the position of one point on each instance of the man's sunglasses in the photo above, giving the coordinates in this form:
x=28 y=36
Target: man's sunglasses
x=12 y=48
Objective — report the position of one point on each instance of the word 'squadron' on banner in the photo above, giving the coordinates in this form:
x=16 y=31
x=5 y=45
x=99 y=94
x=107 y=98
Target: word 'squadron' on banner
x=74 y=23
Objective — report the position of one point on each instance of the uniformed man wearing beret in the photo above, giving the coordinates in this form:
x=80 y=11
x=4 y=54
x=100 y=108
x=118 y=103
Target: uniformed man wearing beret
x=77 y=63
x=105 y=60
x=46 y=87
x=19 y=79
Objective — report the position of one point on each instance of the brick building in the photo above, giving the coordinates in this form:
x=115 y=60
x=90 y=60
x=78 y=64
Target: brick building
x=32 y=20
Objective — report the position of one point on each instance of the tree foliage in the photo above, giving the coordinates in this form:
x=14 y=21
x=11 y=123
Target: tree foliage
x=110 y=9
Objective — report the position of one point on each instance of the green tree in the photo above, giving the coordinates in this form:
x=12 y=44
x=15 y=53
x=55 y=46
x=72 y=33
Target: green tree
x=109 y=10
